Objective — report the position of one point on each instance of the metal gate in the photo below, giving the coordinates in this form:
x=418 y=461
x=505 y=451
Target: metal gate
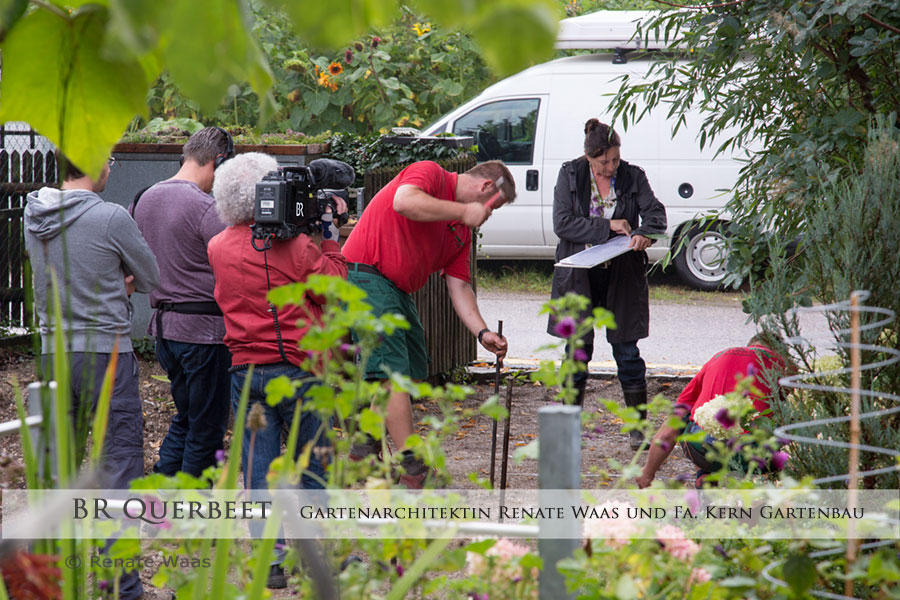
x=27 y=163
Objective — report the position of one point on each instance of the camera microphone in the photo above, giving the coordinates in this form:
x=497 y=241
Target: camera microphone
x=330 y=173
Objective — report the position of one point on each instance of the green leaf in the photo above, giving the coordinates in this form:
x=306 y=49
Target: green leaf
x=332 y=24
x=10 y=12
x=514 y=37
x=530 y=450
x=278 y=389
x=372 y=423
x=626 y=589
x=799 y=571
x=56 y=78
x=493 y=409
x=317 y=102
x=213 y=34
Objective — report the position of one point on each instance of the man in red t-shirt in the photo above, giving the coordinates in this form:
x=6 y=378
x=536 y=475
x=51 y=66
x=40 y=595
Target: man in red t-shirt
x=718 y=376
x=419 y=224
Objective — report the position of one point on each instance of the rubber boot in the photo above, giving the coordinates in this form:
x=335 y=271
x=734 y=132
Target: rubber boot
x=580 y=386
x=634 y=397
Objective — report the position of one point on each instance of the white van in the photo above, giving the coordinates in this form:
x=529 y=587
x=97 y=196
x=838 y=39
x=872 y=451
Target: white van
x=534 y=121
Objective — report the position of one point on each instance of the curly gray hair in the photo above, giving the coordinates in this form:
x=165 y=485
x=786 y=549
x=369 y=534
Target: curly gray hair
x=234 y=187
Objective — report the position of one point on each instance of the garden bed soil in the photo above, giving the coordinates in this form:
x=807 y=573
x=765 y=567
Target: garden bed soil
x=467 y=451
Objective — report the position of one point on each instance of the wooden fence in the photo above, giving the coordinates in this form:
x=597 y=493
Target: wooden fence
x=23 y=168
x=448 y=341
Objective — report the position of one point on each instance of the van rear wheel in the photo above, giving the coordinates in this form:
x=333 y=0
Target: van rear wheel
x=701 y=261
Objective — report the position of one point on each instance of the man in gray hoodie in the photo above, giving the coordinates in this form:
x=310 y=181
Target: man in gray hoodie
x=99 y=257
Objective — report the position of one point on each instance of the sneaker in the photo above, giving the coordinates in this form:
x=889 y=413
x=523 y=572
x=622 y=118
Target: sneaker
x=636 y=438
x=363 y=450
x=414 y=482
x=277 y=580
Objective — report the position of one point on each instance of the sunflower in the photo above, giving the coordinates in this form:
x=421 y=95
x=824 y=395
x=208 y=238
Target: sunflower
x=335 y=68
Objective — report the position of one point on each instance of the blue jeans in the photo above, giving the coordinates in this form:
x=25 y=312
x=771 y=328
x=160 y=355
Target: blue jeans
x=198 y=374
x=630 y=367
x=267 y=442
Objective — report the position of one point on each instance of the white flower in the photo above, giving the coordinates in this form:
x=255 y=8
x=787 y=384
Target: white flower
x=711 y=419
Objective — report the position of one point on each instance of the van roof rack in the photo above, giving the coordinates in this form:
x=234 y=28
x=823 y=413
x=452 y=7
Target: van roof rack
x=607 y=30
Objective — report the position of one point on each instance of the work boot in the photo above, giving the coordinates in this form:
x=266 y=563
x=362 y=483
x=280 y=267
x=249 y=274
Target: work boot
x=412 y=472
x=363 y=450
x=634 y=397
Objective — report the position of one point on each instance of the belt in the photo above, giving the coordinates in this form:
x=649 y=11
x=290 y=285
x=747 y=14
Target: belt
x=364 y=268
x=185 y=308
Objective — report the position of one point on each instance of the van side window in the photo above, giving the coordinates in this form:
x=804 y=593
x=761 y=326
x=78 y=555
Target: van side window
x=503 y=130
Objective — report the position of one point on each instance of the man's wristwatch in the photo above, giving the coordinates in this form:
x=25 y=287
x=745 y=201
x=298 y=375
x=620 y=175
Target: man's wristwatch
x=481 y=334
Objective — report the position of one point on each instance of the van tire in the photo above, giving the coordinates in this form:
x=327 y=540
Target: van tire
x=701 y=261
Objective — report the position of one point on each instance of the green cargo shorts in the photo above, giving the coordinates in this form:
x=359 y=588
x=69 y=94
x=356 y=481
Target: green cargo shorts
x=403 y=352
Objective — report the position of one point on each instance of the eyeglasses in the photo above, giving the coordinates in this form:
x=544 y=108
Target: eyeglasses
x=459 y=242
x=111 y=162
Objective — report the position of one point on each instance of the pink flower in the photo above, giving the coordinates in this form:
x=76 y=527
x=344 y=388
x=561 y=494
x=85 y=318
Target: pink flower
x=673 y=540
x=616 y=530
x=348 y=56
x=724 y=418
x=698 y=575
x=692 y=500
x=375 y=41
x=566 y=327
x=779 y=459
x=400 y=570
x=580 y=355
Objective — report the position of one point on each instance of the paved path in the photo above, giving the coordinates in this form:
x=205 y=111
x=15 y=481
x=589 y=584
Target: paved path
x=682 y=336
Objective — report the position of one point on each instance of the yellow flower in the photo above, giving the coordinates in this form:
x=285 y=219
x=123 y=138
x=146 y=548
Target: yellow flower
x=421 y=28
x=368 y=72
x=335 y=68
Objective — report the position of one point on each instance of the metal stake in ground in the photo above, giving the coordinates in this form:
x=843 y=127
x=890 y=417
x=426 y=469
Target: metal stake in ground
x=496 y=393
x=509 y=390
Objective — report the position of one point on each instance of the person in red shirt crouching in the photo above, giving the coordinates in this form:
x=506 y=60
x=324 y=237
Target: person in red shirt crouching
x=720 y=375
x=244 y=276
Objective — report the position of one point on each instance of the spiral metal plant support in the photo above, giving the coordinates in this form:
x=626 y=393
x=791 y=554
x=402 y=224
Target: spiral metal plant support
x=807 y=381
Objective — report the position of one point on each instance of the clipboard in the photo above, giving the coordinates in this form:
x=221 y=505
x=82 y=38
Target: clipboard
x=595 y=255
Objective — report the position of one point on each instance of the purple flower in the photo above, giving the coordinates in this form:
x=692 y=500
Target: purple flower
x=580 y=355
x=751 y=370
x=598 y=430
x=399 y=569
x=102 y=585
x=375 y=41
x=565 y=327
x=347 y=348
x=220 y=456
x=721 y=550
x=779 y=459
x=760 y=463
x=724 y=419
x=782 y=442
x=684 y=477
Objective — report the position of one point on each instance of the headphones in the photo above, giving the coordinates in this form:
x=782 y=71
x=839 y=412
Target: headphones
x=229 y=150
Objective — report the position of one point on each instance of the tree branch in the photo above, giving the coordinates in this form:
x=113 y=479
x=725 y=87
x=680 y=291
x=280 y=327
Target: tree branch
x=882 y=24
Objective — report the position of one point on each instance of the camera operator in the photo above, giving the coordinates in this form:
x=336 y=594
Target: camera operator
x=177 y=218
x=243 y=277
x=419 y=224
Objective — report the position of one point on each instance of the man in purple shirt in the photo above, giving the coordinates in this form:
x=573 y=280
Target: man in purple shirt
x=178 y=218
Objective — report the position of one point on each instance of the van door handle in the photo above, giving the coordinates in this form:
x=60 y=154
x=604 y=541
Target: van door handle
x=531 y=180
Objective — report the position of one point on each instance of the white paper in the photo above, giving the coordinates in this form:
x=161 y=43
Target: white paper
x=595 y=255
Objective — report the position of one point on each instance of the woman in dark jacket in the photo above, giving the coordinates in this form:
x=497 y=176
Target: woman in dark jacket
x=597 y=197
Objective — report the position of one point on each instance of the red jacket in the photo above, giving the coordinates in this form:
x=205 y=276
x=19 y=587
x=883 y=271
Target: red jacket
x=241 y=289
